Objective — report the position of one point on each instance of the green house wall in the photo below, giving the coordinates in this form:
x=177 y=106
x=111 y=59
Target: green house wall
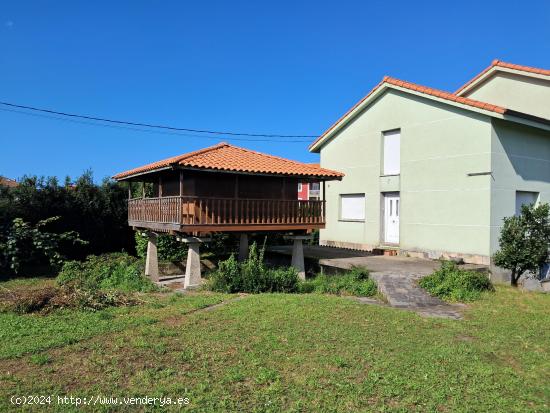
x=444 y=211
x=522 y=93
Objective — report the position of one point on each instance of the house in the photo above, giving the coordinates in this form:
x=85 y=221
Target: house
x=432 y=173
x=7 y=182
x=309 y=190
x=223 y=188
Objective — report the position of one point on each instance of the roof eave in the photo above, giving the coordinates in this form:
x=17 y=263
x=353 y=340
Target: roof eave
x=118 y=177
x=477 y=81
x=527 y=119
x=316 y=146
x=190 y=168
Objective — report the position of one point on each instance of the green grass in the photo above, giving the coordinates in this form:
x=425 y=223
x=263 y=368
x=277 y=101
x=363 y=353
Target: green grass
x=291 y=352
x=31 y=333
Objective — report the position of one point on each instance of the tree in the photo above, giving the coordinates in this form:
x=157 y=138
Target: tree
x=98 y=212
x=524 y=241
x=24 y=242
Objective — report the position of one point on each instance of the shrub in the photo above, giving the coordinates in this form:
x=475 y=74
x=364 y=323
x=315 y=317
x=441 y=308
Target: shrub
x=97 y=212
x=108 y=271
x=355 y=282
x=23 y=243
x=168 y=247
x=454 y=284
x=252 y=276
x=524 y=241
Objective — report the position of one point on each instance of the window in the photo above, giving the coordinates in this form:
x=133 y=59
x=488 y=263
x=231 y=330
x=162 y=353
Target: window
x=352 y=207
x=392 y=152
x=525 y=198
x=299 y=187
x=314 y=186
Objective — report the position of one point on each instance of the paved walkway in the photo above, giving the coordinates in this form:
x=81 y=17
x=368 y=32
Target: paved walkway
x=397 y=278
x=402 y=291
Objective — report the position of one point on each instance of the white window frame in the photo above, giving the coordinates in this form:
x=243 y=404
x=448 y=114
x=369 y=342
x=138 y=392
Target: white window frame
x=299 y=187
x=354 y=212
x=391 y=159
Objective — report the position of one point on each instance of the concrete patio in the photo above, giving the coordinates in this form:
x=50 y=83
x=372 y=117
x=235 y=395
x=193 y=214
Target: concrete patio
x=396 y=276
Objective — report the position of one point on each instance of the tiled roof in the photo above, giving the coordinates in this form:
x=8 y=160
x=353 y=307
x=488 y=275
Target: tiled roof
x=225 y=157
x=387 y=80
x=7 y=182
x=446 y=95
x=499 y=63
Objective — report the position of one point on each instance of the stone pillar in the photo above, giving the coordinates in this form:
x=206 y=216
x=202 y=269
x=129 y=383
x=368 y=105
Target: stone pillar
x=243 y=247
x=193 y=277
x=298 y=255
x=151 y=261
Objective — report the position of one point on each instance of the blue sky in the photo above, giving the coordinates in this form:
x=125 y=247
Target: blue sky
x=284 y=67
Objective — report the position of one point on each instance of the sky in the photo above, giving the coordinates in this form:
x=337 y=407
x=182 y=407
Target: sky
x=278 y=67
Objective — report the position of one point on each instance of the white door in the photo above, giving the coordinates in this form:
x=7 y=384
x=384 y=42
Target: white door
x=391 y=221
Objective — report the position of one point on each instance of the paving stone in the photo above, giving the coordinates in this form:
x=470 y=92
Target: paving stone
x=402 y=291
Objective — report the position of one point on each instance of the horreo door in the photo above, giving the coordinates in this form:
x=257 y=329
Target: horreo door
x=391 y=218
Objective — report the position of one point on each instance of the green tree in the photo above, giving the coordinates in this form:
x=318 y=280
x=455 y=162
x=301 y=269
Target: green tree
x=23 y=242
x=98 y=212
x=524 y=241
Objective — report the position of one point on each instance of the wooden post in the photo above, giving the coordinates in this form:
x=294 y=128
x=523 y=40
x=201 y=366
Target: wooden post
x=180 y=201
x=323 y=205
x=160 y=186
x=143 y=189
x=129 y=190
x=236 y=186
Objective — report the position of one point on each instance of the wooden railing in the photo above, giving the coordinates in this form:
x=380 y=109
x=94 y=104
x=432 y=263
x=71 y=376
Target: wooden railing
x=225 y=211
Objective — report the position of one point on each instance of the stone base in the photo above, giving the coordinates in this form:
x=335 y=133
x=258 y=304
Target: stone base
x=446 y=255
x=415 y=253
x=151 y=260
x=298 y=254
x=535 y=285
x=347 y=245
x=243 y=247
x=193 y=278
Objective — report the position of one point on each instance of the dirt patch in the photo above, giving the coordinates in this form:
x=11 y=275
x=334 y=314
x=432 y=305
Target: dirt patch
x=46 y=298
x=465 y=338
x=177 y=320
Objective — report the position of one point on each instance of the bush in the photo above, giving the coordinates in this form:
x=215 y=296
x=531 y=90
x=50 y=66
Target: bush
x=97 y=212
x=252 y=276
x=454 y=284
x=48 y=298
x=108 y=271
x=355 y=282
x=23 y=243
x=168 y=247
x=525 y=241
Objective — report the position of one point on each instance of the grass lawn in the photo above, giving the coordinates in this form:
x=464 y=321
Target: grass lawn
x=276 y=352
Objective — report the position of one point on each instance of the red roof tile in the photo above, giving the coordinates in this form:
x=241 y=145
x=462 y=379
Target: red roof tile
x=225 y=157
x=499 y=63
x=7 y=182
x=421 y=89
